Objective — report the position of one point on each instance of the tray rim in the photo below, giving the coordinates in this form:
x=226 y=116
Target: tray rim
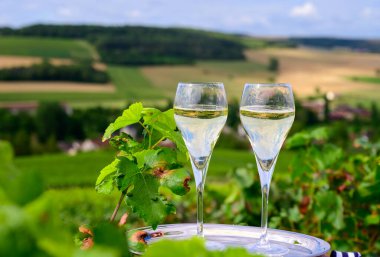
x=324 y=245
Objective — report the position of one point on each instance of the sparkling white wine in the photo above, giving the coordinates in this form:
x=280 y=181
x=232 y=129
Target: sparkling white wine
x=200 y=127
x=267 y=130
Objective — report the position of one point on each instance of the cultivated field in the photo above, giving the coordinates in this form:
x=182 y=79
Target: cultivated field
x=55 y=86
x=305 y=69
x=25 y=61
x=309 y=69
x=232 y=74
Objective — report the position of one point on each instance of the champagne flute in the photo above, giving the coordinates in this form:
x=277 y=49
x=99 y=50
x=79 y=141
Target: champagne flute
x=200 y=112
x=267 y=114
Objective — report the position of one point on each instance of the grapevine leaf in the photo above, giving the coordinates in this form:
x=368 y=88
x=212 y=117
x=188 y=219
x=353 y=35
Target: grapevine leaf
x=130 y=116
x=319 y=134
x=146 y=157
x=329 y=207
x=144 y=199
x=165 y=158
x=331 y=154
x=160 y=158
x=153 y=116
x=164 y=123
x=106 y=186
x=109 y=169
x=176 y=138
x=126 y=143
x=127 y=169
x=298 y=140
x=176 y=180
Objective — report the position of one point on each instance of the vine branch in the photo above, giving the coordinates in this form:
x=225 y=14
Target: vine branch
x=123 y=193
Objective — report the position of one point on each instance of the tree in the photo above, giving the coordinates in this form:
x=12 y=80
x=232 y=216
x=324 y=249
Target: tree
x=51 y=120
x=274 y=64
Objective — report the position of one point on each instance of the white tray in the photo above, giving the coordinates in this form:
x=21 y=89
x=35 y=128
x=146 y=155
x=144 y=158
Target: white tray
x=238 y=236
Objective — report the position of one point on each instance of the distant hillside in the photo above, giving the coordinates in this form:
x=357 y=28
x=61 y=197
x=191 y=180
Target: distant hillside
x=331 y=43
x=142 y=45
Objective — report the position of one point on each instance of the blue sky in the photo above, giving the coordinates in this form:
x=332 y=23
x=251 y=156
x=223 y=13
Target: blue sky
x=340 y=18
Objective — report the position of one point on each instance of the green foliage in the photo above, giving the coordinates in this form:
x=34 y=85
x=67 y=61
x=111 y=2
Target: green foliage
x=130 y=116
x=45 y=71
x=335 y=191
x=54 y=114
x=141 y=168
x=273 y=64
x=192 y=247
x=128 y=45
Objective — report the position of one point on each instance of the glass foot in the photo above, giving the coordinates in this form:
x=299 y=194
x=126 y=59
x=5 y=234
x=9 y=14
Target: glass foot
x=214 y=246
x=271 y=250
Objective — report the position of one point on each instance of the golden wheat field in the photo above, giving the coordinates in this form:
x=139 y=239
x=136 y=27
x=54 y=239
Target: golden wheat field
x=308 y=69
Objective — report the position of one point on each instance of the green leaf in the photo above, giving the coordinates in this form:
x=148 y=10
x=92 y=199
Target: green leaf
x=331 y=154
x=294 y=214
x=106 y=171
x=329 y=208
x=126 y=143
x=176 y=138
x=144 y=199
x=319 y=134
x=146 y=157
x=176 y=180
x=24 y=187
x=373 y=219
x=127 y=170
x=105 y=187
x=298 y=140
x=164 y=123
x=130 y=116
x=154 y=116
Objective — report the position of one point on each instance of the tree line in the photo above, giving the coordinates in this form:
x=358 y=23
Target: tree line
x=80 y=72
x=134 y=45
x=40 y=131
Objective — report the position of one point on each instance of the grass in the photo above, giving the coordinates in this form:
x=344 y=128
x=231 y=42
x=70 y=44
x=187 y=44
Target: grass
x=132 y=84
x=47 y=47
x=61 y=170
x=366 y=79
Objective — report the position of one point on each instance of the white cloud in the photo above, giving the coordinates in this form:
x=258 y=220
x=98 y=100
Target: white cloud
x=134 y=14
x=307 y=9
x=64 y=12
x=367 y=12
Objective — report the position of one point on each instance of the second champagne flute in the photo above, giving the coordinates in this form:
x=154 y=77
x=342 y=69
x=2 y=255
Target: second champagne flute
x=267 y=114
x=200 y=111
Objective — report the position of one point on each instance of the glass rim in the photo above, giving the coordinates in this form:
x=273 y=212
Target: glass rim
x=201 y=83
x=269 y=84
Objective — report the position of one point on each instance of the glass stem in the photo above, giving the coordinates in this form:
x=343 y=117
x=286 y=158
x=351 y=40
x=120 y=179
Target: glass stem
x=264 y=215
x=200 y=190
x=200 y=166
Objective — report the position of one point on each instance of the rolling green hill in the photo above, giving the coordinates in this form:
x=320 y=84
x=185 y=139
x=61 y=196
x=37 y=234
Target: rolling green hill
x=46 y=47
